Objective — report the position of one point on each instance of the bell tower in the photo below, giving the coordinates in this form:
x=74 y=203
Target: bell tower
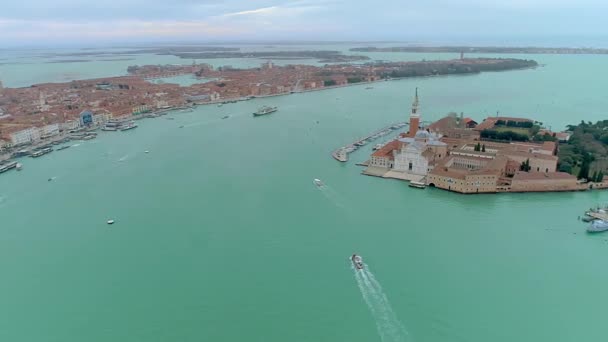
x=414 y=116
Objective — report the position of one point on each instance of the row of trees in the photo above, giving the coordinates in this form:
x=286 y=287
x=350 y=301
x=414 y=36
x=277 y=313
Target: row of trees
x=479 y=147
x=503 y=135
x=586 y=152
x=509 y=123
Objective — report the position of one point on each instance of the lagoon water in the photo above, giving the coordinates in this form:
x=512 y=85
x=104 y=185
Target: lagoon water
x=220 y=234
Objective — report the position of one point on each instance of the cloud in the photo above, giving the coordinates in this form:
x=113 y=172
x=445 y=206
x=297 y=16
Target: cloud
x=263 y=11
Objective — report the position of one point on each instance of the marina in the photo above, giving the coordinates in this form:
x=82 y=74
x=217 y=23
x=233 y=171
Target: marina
x=341 y=153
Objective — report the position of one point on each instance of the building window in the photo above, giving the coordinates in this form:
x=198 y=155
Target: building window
x=410 y=166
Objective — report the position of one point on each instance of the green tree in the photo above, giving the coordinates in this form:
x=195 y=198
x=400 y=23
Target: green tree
x=594 y=177
x=477 y=147
x=525 y=166
x=483 y=148
x=600 y=177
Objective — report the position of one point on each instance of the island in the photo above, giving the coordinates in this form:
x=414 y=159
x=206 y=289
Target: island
x=322 y=55
x=500 y=154
x=486 y=49
x=47 y=112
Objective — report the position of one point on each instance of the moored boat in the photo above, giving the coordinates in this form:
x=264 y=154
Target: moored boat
x=128 y=126
x=418 y=185
x=598 y=226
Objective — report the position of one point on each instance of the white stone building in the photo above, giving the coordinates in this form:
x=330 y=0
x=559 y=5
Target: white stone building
x=101 y=119
x=49 y=130
x=25 y=136
x=417 y=155
x=71 y=125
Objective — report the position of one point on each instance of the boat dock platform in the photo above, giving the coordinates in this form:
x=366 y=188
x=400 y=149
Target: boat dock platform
x=7 y=166
x=341 y=153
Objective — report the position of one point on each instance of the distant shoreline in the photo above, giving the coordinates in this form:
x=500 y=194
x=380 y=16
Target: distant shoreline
x=485 y=49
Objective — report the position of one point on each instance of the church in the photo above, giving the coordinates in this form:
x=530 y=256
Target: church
x=414 y=153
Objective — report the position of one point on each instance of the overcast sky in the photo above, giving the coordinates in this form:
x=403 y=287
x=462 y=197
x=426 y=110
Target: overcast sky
x=64 y=21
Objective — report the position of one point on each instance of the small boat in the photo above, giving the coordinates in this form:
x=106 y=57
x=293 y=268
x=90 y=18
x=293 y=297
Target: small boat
x=170 y=118
x=378 y=146
x=318 y=182
x=110 y=221
x=182 y=126
x=63 y=147
x=357 y=261
x=146 y=151
x=368 y=88
x=19 y=166
x=597 y=226
x=225 y=117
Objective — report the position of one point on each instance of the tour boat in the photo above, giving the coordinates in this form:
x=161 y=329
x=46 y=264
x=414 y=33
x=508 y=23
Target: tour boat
x=357 y=261
x=265 y=111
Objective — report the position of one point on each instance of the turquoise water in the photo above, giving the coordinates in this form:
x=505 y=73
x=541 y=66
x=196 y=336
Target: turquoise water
x=220 y=234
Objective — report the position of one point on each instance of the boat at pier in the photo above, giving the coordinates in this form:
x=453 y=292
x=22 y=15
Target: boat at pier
x=41 y=152
x=128 y=126
x=7 y=166
x=418 y=185
x=19 y=166
x=598 y=226
x=265 y=110
x=357 y=261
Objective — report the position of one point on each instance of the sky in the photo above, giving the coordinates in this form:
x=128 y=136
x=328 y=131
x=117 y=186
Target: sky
x=81 y=21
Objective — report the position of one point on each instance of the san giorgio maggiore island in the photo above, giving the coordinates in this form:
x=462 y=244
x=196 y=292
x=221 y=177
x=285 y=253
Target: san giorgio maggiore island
x=455 y=153
x=501 y=154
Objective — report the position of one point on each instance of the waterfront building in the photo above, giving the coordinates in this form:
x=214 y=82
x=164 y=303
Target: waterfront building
x=409 y=157
x=25 y=136
x=86 y=118
x=549 y=181
x=71 y=125
x=101 y=118
x=418 y=155
x=4 y=145
x=49 y=131
x=140 y=109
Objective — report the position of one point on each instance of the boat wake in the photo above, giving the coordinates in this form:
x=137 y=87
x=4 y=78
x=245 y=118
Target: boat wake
x=331 y=195
x=389 y=327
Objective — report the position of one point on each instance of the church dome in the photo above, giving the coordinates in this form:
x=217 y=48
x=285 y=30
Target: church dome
x=422 y=134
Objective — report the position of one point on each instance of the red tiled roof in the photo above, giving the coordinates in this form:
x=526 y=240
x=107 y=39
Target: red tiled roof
x=387 y=150
x=524 y=176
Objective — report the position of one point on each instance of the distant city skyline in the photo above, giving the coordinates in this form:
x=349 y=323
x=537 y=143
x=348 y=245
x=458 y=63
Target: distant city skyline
x=64 y=22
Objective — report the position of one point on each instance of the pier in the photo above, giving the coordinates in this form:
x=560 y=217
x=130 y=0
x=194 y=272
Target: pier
x=341 y=153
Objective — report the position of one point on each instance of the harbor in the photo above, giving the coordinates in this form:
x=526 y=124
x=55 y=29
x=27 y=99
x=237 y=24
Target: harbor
x=341 y=153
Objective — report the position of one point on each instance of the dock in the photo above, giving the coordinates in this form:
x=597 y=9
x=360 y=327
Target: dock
x=341 y=153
